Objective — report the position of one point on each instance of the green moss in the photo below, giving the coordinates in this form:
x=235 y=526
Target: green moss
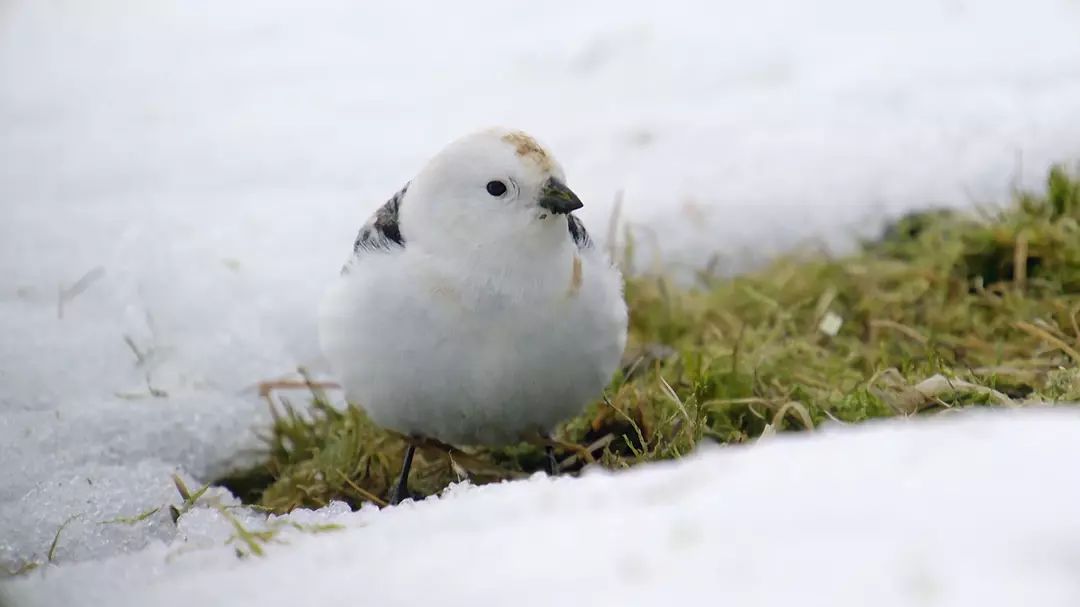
x=945 y=310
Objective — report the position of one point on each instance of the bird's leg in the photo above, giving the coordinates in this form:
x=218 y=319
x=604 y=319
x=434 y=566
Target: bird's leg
x=552 y=464
x=401 y=489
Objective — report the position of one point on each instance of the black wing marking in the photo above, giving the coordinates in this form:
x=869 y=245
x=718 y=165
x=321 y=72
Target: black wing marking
x=382 y=230
x=577 y=231
x=381 y=233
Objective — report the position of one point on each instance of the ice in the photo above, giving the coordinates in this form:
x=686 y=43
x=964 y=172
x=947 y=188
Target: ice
x=186 y=177
x=968 y=509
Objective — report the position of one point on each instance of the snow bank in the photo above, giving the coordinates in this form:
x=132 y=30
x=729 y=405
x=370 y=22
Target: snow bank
x=187 y=176
x=979 y=509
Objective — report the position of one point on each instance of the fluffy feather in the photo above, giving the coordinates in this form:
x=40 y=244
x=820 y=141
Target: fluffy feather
x=487 y=318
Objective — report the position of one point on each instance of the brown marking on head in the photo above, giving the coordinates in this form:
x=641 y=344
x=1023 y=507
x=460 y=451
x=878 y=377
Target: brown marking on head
x=527 y=147
x=575 y=277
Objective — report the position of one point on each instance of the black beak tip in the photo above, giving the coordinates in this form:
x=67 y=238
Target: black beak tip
x=558 y=198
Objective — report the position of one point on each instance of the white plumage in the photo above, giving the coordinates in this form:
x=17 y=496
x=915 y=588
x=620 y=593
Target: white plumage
x=474 y=315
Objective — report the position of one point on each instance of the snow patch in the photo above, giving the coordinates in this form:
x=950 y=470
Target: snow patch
x=971 y=509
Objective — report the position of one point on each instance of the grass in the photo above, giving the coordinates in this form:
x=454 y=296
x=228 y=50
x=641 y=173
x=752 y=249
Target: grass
x=944 y=311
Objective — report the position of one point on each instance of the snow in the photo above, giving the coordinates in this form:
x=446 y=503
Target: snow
x=189 y=175
x=976 y=509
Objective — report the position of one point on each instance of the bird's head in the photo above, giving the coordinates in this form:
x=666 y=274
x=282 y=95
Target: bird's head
x=491 y=187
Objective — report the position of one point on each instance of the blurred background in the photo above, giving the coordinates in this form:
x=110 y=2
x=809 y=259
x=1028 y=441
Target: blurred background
x=215 y=159
x=179 y=180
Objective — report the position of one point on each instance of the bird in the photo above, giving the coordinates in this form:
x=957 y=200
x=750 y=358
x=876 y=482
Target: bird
x=475 y=309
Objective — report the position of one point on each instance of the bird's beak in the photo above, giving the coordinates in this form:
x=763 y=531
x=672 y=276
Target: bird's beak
x=558 y=198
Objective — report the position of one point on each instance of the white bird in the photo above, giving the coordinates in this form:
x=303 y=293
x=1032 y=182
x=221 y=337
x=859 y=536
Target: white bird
x=475 y=309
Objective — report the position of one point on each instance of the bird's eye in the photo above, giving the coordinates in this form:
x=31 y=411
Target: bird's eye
x=496 y=188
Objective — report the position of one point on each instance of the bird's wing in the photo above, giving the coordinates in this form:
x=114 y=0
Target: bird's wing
x=381 y=233
x=577 y=231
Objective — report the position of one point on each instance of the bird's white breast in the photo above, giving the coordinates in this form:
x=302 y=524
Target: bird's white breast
x=468 y=355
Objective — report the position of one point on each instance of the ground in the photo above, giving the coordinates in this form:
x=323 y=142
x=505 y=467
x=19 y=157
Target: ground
x=179 y=181
x=965 y=510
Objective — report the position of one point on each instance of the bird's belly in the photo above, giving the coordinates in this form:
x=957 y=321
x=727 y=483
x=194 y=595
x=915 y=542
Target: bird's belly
x=467 y=371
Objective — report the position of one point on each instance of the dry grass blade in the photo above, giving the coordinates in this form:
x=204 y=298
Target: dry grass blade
x=67 y=295
x=796 y=407
x=56 y=538
x=1020 y=259
x=670 y=393
x=1049 y=338
x=371 y=497
x=907 y=331
x=587 y=452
